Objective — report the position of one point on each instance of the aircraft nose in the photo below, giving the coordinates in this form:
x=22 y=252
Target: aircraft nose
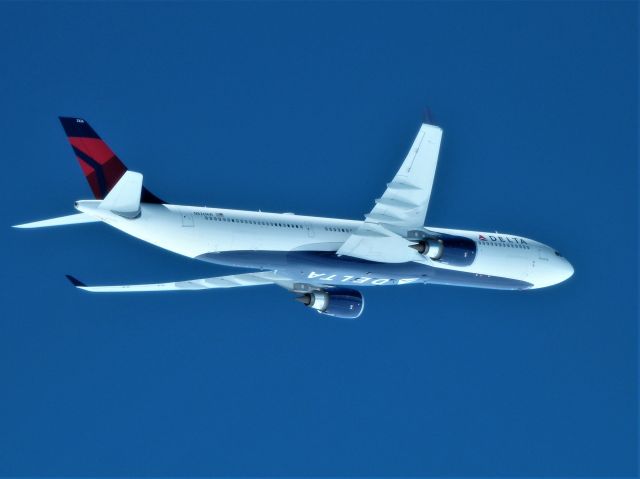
x=555 y=271
x=565 y=270
x=561 y=270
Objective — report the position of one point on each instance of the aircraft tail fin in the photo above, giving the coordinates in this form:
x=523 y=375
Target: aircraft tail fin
x=100 y=165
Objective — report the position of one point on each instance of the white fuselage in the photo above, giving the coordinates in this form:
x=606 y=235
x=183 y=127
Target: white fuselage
x=305 y=246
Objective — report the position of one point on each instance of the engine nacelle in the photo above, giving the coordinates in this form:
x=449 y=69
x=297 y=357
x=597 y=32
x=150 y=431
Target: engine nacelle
x=453 y=250
x=337 y=302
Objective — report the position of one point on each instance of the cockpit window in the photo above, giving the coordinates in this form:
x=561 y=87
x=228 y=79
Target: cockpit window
x=557 y=254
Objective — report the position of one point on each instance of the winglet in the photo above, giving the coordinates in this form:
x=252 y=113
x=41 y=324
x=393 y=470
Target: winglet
x=428 y=117
x=75 y=281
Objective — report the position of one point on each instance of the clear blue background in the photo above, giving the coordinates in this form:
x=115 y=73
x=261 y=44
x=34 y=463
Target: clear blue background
x=310 y=108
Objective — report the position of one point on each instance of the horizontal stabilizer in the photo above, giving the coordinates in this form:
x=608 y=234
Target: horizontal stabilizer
x=231 y=281
x=124 y=198
x=62 y=220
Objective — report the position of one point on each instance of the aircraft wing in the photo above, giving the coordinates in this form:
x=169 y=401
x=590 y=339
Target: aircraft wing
x=374 y=242
x=231 y=281
x=403 y=206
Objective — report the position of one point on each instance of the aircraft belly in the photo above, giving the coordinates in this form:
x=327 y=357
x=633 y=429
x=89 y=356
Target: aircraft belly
x=326 y=268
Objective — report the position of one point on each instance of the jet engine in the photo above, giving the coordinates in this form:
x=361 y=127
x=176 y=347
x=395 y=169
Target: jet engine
x=337 y=302
x=453 y=250
x=431 y=248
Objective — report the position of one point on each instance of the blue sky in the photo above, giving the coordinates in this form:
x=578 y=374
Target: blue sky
x=310 y=108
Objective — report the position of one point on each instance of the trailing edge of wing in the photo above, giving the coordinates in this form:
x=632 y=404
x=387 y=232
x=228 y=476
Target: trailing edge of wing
x=74 y=219
x=231 y=281
x=404 y=204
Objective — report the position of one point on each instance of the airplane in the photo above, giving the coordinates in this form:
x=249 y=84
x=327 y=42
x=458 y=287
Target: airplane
x=320 y=260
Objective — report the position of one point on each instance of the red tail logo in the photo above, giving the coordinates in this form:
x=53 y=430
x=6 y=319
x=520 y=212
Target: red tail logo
x=102 y=168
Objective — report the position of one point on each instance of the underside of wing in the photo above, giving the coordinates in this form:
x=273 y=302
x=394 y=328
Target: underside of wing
x=332 y=301
x=231 y=281
x=376 y=243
